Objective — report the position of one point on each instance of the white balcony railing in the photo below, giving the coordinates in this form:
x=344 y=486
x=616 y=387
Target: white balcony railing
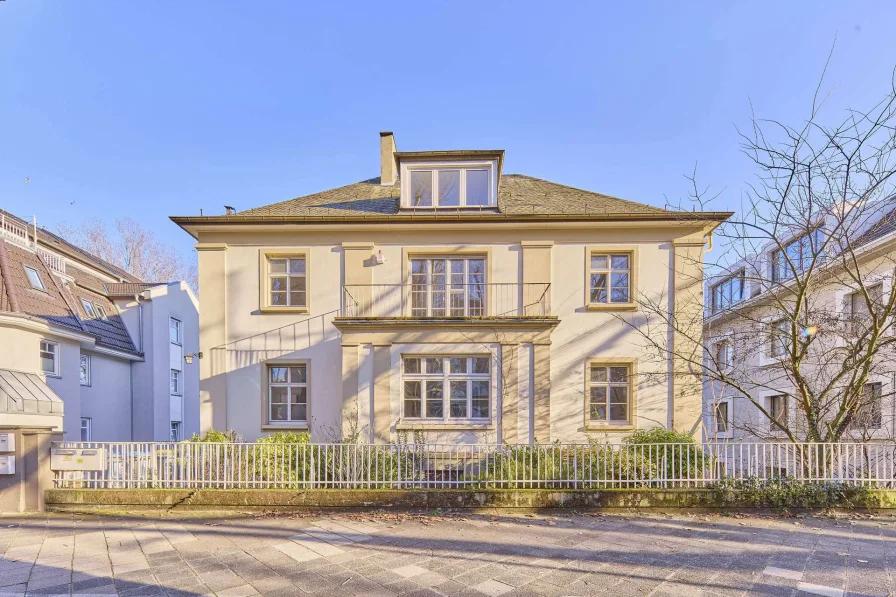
x=15 y=232
x=54 y=261
x=446 y=301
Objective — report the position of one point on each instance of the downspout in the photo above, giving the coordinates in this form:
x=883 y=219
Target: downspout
x=7 y=278
x=140 y=348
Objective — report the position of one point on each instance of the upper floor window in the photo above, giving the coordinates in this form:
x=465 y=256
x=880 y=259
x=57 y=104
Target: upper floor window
x=287 y=282
x=49 y=357
x=722 y=414
x=722 y=354
x=176 y=383
x=174 y=331
x=610 y=278
x=88 y=308
x=34 y=278
x=776 y=406
x=449 y=186
x=84 y=371
x=100 y=311
x=867 y=413
x=796 y=256
x=728 y=292
x=443 y=287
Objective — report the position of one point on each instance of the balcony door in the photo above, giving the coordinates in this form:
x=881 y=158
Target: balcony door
x=448 y=287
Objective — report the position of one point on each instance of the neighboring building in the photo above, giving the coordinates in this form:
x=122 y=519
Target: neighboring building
x=448 y=298
x=88 y=349
x=747 y=333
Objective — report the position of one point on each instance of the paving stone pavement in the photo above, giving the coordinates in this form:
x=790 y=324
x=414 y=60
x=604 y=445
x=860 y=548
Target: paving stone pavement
x=466 y=555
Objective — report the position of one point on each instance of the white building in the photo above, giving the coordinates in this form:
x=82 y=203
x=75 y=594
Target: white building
x=88 y=350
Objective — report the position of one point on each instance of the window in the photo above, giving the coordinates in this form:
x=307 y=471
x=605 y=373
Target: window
x=175 y=431
x=88 y=308
x=722 y=417
x=84 y=371
x=867 y=414
x=49 y=357
x=34 y=278
x=442 y=287
x=728 y=292
x=174 y=331
x=861 y=314
x=176 y=382
x=100 y=311
x=778 y=338
x=455 y=387
x=610 y=278
x=777 y=408
x=723 y=355
x=799 y=252
x=86 y=429
x=287 y=282
x=288 y=394
x=449 y=187
x=609 y=394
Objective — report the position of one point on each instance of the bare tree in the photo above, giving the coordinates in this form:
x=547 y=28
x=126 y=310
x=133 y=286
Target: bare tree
x=799 y=318
x=134 y=249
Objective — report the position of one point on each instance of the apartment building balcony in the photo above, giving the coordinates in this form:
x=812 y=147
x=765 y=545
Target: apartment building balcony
x=447 y=302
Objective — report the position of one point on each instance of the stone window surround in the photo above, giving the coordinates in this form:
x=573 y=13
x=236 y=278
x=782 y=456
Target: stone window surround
x=264 y=299
x=632 y=251
x=266 y=424
x=590 y=425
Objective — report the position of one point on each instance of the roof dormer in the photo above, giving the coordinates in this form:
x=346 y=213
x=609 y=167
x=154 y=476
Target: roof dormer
x=443 y=180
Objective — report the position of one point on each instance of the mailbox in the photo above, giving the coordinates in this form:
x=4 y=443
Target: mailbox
x=77 y=459
x=7 y=465
x=7 y=442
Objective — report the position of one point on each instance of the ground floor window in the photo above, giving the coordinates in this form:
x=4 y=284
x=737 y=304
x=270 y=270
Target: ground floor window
x=175 y=431
x=609 y=393
x=776 y=406
x=722 y=412
x=868 y=414
x=86 y=429
x=446 y=387
x=288 y=393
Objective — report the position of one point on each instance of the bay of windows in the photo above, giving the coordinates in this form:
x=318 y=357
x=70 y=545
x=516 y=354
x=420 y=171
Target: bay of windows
x=799 y=252
x=443 y=287
x=609 y=396
x=449 y=187
x=610 y=278
x=455 y=387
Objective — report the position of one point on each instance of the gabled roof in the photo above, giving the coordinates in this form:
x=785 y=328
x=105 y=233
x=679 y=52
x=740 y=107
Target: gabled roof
x=519 y=197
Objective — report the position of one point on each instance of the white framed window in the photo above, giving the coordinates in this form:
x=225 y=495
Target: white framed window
x=88 y=308
x=609 y=394
x=176 y=382
x=610 y=278
x=100 y=311
x=288 y=394
x=34 y=278
x=868 y=414
x=800 y=252
x=86 y=429
x=84 y=370
x=723 y=418
x=448 y=287
x=49 y=357
x=446 y=387
x=287 y=282
x=722 y=353
x=778 y=340
x=175 y=331
x=175 y=431
x=728 y=292
x=776 y=406
x=457 y=185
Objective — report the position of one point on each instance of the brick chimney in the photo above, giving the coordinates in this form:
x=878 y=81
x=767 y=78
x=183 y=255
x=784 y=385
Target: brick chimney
x=388 y=165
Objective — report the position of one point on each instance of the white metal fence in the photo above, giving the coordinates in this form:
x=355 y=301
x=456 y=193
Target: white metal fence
x=421 y=466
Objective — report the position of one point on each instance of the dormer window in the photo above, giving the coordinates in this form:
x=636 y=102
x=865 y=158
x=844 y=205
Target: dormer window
x=456 y=186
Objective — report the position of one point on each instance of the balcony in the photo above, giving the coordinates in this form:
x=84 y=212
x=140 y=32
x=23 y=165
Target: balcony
x=446 y=301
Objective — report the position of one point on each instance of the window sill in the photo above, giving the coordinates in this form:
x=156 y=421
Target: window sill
x=439 y=426
x=270 y=309
x=286 y=427
x=612 y=307
x=609 y=428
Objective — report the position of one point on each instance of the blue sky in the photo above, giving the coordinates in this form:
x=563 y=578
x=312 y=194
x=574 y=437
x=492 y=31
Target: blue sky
x=151 y=109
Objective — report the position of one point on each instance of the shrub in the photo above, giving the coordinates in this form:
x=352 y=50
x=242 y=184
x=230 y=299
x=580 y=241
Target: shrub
x=787 y=492
x=213 y=436
x=684 y=459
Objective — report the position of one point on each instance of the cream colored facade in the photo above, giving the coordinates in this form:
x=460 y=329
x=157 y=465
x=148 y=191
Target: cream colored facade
x=352 y=346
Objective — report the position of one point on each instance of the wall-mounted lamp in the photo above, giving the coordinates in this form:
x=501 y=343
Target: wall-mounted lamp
x=188 y=358
x=379 y=258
